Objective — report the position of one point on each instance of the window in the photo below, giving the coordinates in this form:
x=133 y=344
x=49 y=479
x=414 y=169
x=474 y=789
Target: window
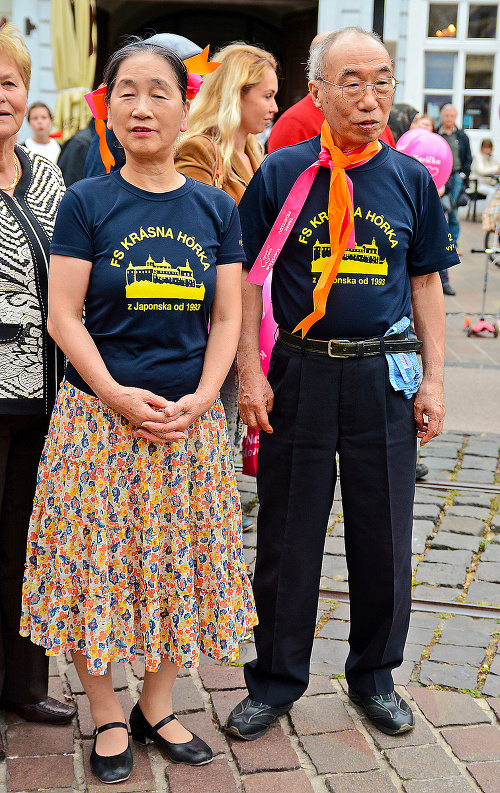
x=439 y=67
x=482 y=22
x=442 y=20
x=433 y=104
x=479 y=71
x=477 y=112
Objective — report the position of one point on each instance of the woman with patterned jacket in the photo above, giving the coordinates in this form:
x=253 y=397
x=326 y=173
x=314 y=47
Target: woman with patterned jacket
x=30 y=191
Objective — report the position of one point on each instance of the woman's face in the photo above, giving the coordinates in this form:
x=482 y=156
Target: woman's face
x=425 y=123
x=145 y=110
x=13 y=98
x=258 y=105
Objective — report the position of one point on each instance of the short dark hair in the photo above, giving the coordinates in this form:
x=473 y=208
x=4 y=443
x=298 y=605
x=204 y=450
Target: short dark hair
x=135 y=46
x=34 y=106
x=487 y=142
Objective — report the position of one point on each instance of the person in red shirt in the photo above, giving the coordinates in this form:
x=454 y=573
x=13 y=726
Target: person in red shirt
x=303 y=120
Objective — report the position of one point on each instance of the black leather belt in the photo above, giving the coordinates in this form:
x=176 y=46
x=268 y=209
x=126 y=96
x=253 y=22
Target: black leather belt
x=343 y=348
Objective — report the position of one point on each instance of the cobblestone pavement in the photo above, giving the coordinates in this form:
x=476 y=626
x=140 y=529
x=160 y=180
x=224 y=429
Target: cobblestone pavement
x=450 y=675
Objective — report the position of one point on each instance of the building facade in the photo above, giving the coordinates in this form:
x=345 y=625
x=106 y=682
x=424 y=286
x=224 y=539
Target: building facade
x=443 y=51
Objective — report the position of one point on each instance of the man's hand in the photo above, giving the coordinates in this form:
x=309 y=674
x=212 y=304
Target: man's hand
x=429 y=411
x=255 y=400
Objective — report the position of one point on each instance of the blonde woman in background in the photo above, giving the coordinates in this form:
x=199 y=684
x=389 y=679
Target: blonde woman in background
x=234 y=104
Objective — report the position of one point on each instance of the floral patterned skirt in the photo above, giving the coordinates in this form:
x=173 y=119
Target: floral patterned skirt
x=135 y=545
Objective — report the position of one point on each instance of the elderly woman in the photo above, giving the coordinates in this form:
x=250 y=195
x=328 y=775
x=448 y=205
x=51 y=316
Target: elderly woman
x=135 y=541
x=30 y=191
x=235 y=103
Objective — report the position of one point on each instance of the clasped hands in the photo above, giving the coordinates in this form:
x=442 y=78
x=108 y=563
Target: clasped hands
x=155 y=418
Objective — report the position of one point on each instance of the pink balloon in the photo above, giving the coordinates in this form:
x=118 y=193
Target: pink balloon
x=268 y=326
x=431 y=150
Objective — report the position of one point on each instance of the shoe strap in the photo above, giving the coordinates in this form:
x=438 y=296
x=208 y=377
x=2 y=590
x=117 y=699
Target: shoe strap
x=110 y=726
x=161 y=724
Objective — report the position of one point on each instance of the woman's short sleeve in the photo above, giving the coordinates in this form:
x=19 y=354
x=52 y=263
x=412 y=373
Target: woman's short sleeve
x=72 y=233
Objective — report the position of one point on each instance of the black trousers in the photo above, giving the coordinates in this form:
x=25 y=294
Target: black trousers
x=24 y=667
x=322 y=406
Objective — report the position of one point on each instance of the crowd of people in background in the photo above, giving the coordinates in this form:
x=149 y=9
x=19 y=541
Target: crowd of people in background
x=117 y=473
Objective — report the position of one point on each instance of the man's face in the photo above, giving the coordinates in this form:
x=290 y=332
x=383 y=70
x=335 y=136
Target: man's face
x=448 y=117
x=353 y=123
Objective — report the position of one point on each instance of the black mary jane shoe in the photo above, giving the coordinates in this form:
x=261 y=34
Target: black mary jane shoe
x=193 y=752
x=115 y=767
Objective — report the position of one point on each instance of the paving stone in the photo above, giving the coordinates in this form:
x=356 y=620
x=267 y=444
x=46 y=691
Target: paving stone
x=478 y=463
x=441 y=463
x=202 y=724
x=491 y=553
x=440 y=447
x=423 y=619
x=425 y=495
x=249 y=539
x=446 y=708
x=494 y=703
x=491 y=686
x=330 y=651
x=335 y=585
x=368 y=782
x=444 y=594
x=335 y=629
x=463 y=558
x=456 y=525
x=473 y=499
x=138 y=668
x=27 y=773
x=495 y=665
x=487 y=776
x=467 y=631
x=418 y=635
x=269 y=782
x=450 y=676
x=449 y=540
x=488 y=571
x=224 y=702
x=73 y=680
x=341 y=612
x=320 y=715
x=318 y=684
x=422 y=529
x=450 y=575
x=119 y=675
x=482 y=448
x=413 y=652
x=215 y=777
x=334 y=567
x=421 y=762
x=453 y=785
x=474 y=743
x=468 y=511
x=480 y=592
x=420 y=735
x=339 y=752
x=219 y=677
x=429 y=512
x=495 y=525
x=28 y=739
x=472 y=475
x=272 y=752
x=335 y=546
x=452 y=654
x=402 y=674
x=324 y=668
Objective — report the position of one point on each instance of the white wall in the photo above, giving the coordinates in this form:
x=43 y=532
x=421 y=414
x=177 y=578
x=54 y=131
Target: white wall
x=42 y=86
x=333 y=15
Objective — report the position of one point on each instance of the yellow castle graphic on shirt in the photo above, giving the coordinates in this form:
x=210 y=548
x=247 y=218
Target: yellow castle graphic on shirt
x=363 y=259
x=161 y=280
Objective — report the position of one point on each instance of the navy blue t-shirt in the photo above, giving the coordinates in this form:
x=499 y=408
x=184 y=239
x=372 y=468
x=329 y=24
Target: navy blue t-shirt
x=154 y=268
x=400 y=232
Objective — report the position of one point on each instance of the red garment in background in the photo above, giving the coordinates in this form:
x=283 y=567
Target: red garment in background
x=303 y=121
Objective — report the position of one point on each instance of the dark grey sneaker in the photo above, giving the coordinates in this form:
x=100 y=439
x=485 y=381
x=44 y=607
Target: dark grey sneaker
x=250 y=720
x=421 y=471
x=389 y=713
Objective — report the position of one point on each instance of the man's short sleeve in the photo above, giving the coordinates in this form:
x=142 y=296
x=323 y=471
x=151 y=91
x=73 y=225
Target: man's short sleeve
x=256 y=216
x=432 y=248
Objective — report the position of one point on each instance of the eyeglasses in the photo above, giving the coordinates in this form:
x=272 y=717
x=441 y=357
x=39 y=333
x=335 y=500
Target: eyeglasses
x=384 y=88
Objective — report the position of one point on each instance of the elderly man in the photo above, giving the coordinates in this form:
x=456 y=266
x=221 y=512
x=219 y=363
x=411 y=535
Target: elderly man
x=333 y=380
x=462 y=159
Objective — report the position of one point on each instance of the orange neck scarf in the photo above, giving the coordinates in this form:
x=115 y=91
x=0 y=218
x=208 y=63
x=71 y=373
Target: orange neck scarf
x=340 y=216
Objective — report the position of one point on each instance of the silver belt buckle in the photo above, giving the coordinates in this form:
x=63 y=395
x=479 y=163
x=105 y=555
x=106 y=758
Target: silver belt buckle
x=335 y=354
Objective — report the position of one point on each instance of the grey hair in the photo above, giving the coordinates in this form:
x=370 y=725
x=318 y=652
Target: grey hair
x=317 y=57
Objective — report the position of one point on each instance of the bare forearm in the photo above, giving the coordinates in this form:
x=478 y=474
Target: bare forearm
x=219 y=355
x=430 y=324
x=248 y=346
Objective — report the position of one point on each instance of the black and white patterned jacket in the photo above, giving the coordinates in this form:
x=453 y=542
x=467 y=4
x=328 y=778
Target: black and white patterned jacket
x=31 y=366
